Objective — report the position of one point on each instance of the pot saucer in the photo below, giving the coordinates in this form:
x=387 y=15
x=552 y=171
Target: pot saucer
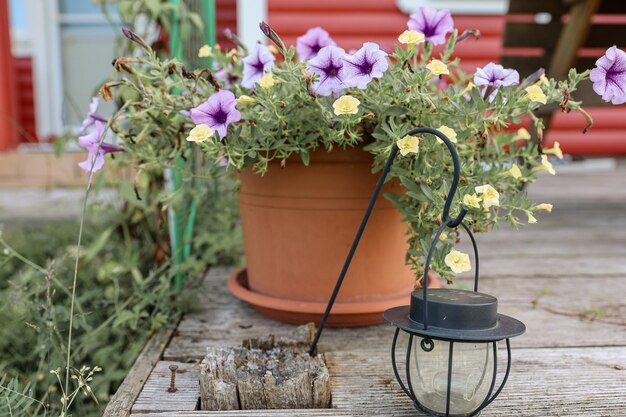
x=344 y=314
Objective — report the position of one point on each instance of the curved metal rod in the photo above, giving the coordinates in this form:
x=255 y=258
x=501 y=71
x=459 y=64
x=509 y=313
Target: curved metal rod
x=448 y=393
x=393 y=362
x=426 y=267
x=506 y=376
x=355 y=243
x=471 y=236
x=457 y=169
x=493 y=381
x=446 y=220
x=408 y=369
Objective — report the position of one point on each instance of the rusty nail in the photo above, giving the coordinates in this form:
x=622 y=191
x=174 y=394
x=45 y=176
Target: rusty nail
x=172 y=387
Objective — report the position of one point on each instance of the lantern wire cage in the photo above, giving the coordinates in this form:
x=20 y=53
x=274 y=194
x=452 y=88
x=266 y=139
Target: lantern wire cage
x=460 y=321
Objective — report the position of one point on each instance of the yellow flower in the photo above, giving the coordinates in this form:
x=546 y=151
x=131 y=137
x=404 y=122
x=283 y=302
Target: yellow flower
x=522 y=134
x=408 y=144
x=513 y=172
x=232 y=54
x=489 y=195
x=536 y=94
x=450 y=133
x=555 y=150
x=443 y=237
x=346 y=105
x=267 y=81
x=411 y=37
x=436 y=67
x=458 y=261
x=244 y=99
x=200 y=133
x=546 y=165
x=544 y=206
x=471 y=200
x=272 y=49
x=531 y=218
x=205 y=51
x=544 y=80
x=468 y=88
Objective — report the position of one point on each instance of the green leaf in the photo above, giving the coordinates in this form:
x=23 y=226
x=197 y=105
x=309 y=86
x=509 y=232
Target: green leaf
x=123 y=317
x=305 y=156
x=153 y=6
x=196 y=20
x=427 y=191
x=396 y=111
x=408 y=184
x=96 y=247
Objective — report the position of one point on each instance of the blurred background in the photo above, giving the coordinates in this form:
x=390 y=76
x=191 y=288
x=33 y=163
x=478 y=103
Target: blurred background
x=56 y=54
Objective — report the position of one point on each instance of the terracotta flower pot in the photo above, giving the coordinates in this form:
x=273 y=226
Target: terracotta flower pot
x=298 y=224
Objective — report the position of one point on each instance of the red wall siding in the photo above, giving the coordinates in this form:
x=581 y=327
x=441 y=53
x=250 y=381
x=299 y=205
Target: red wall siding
x=352 y=22
x=226 y=15
x=26 y=99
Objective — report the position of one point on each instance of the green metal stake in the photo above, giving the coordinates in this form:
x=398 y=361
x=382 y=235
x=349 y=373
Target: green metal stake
x=181 y=234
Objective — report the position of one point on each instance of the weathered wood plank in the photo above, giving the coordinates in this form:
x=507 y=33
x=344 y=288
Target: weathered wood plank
x=264 y=373
x=122 y=402
x=226 y=321
x=155 y=397
x=543 y=382
x=259 y=413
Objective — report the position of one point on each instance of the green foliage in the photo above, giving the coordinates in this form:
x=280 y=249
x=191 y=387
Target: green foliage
x=289 y=118
x=124 y=290
x=17 y=400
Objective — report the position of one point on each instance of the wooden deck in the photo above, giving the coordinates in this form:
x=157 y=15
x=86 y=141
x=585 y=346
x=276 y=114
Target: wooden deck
x=564 y=277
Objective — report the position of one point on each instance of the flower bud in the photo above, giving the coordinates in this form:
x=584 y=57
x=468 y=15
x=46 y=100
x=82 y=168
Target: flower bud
x=129 y=34
x=467 y=33
x=269 y=32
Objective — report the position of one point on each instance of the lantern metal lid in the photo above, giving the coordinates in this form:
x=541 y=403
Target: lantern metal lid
x=454 y=315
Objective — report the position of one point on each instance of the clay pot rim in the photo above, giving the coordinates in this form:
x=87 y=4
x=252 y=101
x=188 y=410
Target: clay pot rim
x=236 y=286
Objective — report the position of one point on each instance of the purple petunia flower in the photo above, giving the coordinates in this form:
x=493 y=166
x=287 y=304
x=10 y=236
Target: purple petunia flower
x=92 y=116
x=256 y=64
x=95 y=149
x=309 y=44
x=434 y=24
x=367 y=63
x=217 y=112
x=495 y=75
x=329 y=65
x=609 y=76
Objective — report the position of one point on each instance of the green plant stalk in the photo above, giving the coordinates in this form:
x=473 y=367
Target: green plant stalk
x=83 y=215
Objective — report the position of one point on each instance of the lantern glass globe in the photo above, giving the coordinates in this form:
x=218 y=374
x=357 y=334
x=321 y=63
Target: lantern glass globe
x=472 y=375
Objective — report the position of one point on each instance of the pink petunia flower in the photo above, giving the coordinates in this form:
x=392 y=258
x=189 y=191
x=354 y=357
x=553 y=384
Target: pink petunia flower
x=367 y=63
x=95 y=149
x=329 y=65
x=258 y=62
x=217 y=112
x=434 y=24
x=309 y=44
x=609 y=76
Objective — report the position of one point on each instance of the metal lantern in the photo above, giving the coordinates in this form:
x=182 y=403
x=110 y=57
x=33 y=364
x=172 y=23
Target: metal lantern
x=451 y=357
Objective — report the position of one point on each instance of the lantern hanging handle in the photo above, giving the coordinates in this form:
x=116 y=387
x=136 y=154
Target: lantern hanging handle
x=447 y=221
x=476 y=261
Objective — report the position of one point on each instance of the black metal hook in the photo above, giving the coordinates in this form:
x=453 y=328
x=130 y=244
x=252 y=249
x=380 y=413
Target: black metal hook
x=447 y=222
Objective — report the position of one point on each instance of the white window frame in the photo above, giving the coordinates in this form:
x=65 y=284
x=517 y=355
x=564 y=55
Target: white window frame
x=43 y=26
x=249 y=14
x=457 y=6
